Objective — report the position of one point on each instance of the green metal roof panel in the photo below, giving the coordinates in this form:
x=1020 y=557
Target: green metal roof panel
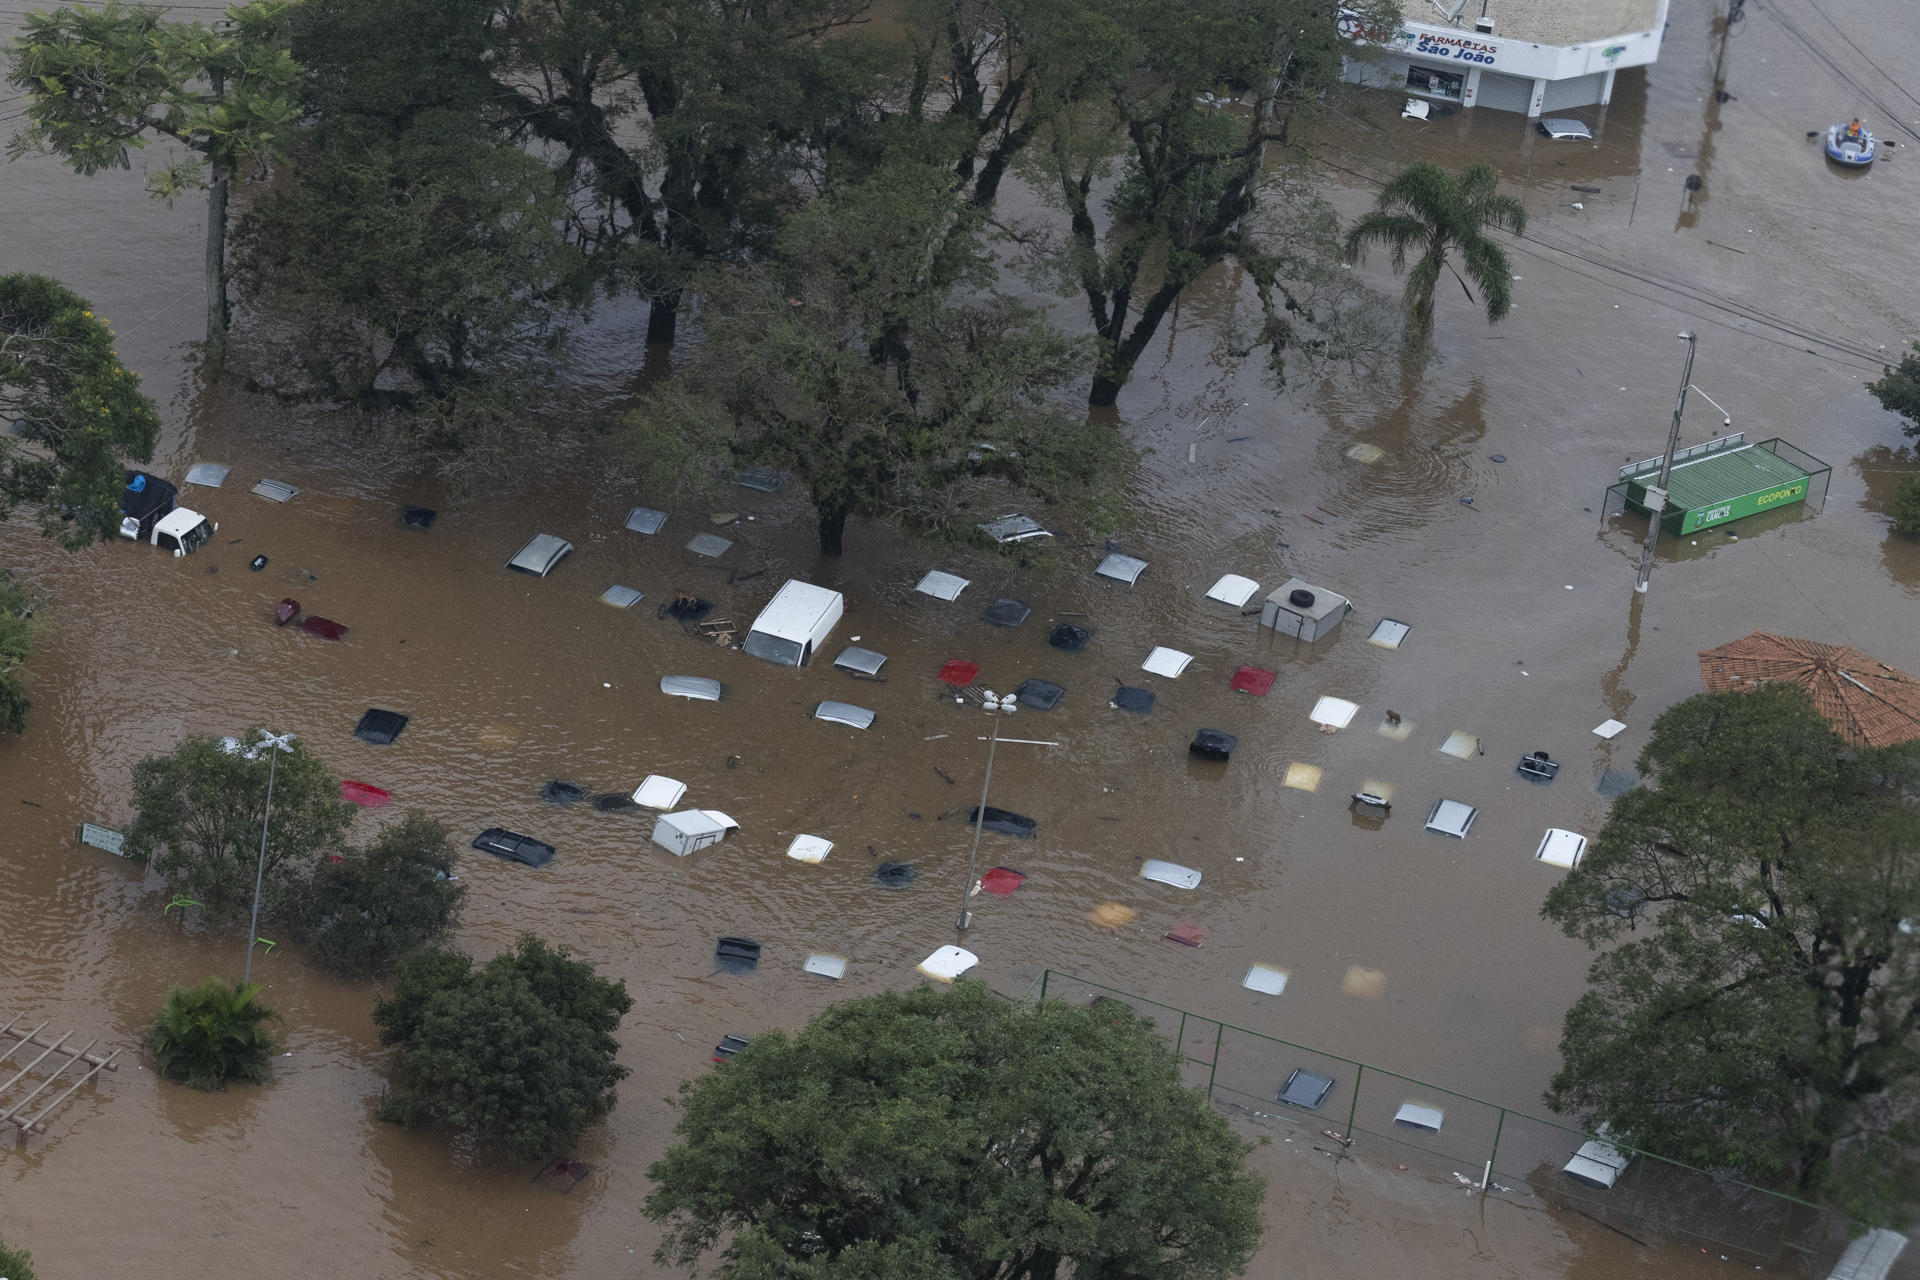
x=1717 y=477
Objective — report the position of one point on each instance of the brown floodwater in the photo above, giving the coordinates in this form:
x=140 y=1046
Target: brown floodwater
x=1525 y=633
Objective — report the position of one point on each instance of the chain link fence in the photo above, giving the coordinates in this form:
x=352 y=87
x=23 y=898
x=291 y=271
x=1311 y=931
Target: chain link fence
x=1340 y=1104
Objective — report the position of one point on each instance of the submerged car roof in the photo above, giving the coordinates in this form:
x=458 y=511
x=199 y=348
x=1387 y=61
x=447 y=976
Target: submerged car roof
x=541 y=552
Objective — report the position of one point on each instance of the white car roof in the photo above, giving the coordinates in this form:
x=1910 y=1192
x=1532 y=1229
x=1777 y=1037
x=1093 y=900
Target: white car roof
x=178 y=521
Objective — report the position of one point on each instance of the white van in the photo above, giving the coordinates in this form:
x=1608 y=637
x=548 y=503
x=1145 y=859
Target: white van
x=795 y=623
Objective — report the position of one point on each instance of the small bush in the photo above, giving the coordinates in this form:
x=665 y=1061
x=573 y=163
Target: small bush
x=213 y=1033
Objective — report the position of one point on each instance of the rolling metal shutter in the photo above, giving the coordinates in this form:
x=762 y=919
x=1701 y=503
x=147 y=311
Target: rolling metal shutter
x=1505 y=93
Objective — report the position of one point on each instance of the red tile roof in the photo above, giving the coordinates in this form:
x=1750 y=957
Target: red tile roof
x=1868 y=702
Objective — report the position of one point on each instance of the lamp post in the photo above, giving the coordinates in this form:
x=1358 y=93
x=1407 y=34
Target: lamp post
x=1656 y=497
x=1726 y=419
x=275 y=744
x=998 y=706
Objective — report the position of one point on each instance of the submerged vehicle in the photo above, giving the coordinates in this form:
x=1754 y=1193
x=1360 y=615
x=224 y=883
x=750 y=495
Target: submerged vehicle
x=150 y=512
x=1851 y=145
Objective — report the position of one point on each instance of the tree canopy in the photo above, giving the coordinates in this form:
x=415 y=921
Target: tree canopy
x=1437 y=214
x=17 y=628
x=946 y=1135
x=199 y=810
x=515 y=1054
x=375 y=905
x=869 y=357
x=1200 y=176
x=418 y=281
x=78 y=410
x=103 y=82
x=15 y=1264
x=1755 y=1003
x=1898 y=389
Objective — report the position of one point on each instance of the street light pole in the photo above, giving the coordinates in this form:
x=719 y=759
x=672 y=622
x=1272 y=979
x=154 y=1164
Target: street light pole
x=1656 y=497
x=998 y=706
x=274 y=744
x=1734 y=15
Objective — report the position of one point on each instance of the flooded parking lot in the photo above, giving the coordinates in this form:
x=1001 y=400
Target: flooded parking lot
x=1525 y=633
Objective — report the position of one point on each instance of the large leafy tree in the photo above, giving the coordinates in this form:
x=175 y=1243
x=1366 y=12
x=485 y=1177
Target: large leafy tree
x=421 y=281
x=1898 y=389
x=1439 y=216
x=1197 y=180
x=102 y=83
x=947 y=1135
x=379 y=904
x=216 y=1032
x=1756 y=1002
x=17 y=628
x=79 y=411
x=985 y=77
x=199 y=811
x=869 y=357
x=691 y=123
x=516 y=1054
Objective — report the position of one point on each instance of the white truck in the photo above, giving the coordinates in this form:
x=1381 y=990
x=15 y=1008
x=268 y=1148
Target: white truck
x=150 y=512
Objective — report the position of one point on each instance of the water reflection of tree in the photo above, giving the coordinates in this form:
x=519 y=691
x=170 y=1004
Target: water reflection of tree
x=1881 y=469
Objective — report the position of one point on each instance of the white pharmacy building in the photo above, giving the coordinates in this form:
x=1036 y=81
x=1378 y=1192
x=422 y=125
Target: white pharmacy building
x=1531 y=56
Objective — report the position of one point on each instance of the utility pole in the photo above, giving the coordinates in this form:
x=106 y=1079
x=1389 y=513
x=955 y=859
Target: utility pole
x=999 y=706
x=1656 y=497
x=1734 y=14
x=273 y=745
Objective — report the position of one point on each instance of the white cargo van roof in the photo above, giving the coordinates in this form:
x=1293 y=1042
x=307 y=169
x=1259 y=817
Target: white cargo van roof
x=793 y=624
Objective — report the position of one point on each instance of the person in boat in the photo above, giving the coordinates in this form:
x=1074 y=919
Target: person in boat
x=1854 y=131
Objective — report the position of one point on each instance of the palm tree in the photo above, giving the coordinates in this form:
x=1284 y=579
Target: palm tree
x=213 y=1033
x=1428 y=208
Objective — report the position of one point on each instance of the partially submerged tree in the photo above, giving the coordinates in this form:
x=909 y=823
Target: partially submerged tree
x=102 y=83
x=1440 y=215
x=17 y=628
x=1898 y=389
x=379 y=904
x=740 y=101
x=421 y=282
x=516 y=1054
x=1756 y=1005
x=78 y=410
x=199 y=810
x=947 y=1135
x=214 y=1033
x=1186 y=122
x=869 y=358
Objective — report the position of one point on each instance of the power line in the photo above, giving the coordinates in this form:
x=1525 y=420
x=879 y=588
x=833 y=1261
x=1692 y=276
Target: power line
x=1899 y=86
x=1854 y=356
x=1841 y=73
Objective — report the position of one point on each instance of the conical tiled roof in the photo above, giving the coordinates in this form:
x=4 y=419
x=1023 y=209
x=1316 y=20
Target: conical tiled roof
x=1867 y=702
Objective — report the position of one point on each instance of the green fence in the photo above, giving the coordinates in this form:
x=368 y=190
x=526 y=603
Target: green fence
x=1494 y=1149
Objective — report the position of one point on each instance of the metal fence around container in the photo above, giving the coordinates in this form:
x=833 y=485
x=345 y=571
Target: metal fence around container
x=1495 y=1149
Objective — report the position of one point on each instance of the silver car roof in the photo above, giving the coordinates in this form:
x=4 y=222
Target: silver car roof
x=844 y=713
x=698 y=688
x=541 y=552
x=865 y=661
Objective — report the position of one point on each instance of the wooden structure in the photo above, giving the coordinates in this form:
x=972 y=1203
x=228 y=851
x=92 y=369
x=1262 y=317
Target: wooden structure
x=16 y=1107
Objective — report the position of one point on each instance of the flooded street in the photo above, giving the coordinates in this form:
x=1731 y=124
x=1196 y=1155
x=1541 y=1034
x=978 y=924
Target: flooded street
x=1526 y=633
